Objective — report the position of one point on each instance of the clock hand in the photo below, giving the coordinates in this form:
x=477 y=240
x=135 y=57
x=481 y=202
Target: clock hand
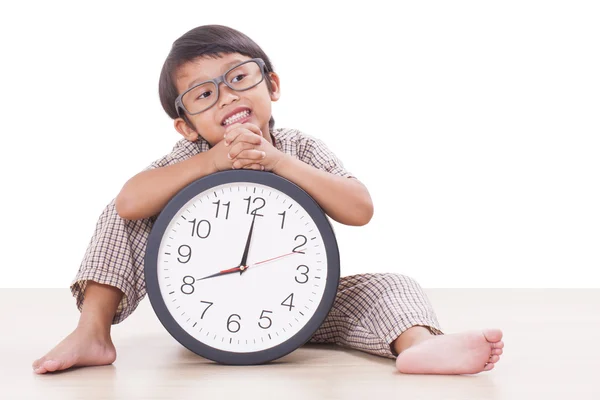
x=225 y=272
x=271 y=259
x=242 y=268
x=245 y=256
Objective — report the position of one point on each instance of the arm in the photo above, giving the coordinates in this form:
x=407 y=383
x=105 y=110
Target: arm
x=346 y=200
x=148 y=192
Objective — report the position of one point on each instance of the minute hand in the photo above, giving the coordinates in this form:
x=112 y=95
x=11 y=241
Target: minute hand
x=224 y=272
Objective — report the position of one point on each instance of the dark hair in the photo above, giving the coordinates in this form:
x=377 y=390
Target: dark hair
x=205 y=41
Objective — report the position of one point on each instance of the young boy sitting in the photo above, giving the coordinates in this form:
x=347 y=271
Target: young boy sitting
x=229 y=125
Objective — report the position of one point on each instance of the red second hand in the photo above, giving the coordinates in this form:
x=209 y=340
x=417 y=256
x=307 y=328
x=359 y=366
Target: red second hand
x=274 y=258
x=244 y=267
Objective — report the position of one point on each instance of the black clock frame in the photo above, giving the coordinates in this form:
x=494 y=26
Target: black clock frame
x=162 y=223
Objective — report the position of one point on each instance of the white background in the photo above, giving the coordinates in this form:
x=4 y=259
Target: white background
x=475 y=126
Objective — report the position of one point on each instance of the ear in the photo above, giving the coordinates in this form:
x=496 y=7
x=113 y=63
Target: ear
x=274 y=78
x=183 y=128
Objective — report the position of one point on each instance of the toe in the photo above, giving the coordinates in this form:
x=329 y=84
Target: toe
x=488 y=367
x=494 y=359
x=493 y=335
x=498 y=345
x=39 y=370
x=51 y=365
x=38 y=366
x=496 y=352
x=39 y=363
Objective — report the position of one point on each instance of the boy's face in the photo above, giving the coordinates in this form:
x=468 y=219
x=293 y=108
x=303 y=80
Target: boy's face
x=208 y=124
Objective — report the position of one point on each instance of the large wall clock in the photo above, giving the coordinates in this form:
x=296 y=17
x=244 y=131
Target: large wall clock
x=242 y=267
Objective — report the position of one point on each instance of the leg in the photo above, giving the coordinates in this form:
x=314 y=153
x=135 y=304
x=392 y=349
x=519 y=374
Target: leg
x=460 y=353
x=419 y=352
x=389 y=315
x=372 y=310
x=410 y=337
x=90 y=343
x=108 y=287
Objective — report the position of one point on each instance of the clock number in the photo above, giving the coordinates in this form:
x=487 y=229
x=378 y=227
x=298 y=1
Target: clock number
x=300 y=245
x=207 y=302
x=282 y=219
x=302 y=273
x=188 y=286
x=257 y=208
x=188 y=255
x=230 y=322
x=291 y=297
x=265 y=317
x=196 y=228
x=218 y=203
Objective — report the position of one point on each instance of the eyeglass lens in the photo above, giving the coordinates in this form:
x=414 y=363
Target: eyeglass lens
x=204 y=96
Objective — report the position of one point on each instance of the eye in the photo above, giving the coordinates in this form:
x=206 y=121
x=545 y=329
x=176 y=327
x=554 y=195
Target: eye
x=202 y=95
x=237 y=76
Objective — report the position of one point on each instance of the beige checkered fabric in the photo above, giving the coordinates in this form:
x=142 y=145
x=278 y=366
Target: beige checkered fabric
x=370 y=310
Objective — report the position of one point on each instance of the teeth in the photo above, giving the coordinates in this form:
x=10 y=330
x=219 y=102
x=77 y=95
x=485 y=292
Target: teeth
x=236 y=117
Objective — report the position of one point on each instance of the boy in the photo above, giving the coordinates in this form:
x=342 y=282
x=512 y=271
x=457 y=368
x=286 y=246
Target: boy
x=227 y=124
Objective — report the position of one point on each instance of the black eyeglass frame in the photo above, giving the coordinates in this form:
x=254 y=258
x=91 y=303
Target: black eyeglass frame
x=217 y=82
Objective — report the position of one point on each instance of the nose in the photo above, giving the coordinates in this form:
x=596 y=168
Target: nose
x=227 y=95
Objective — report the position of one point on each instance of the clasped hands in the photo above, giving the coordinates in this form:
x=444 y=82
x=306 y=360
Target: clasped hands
x=244 y=147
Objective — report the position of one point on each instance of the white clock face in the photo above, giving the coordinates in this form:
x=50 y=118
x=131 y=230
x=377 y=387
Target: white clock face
x=253 y=308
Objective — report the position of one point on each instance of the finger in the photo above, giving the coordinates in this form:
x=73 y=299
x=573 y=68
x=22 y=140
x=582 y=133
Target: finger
x=238 y=147
x=242 y=162
x=247 y=125
x=251 y=154
x=248 y=137
x=242 y=135
x=232 y=131
x=257 y=167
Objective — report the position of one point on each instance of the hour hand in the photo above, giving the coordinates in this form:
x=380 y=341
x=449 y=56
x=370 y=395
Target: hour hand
x=241 y=268
x=245 y=255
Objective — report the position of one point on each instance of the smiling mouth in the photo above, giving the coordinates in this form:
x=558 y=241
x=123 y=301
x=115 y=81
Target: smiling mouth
x=237 y=117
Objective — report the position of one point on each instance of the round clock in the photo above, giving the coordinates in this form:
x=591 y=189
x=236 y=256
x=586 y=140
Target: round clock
x=242 y=267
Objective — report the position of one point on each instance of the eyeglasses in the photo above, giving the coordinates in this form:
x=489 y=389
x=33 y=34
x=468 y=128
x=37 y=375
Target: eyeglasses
x=204 y=95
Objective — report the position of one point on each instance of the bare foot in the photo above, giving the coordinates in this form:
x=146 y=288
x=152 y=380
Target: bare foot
x=83 y=347
x=458 y=353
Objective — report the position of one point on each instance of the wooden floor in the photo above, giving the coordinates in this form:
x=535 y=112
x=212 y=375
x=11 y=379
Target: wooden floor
x=552 y=351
